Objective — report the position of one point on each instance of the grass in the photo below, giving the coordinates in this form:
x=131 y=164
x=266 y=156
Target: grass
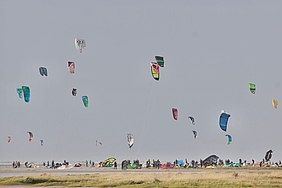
x=170 y=180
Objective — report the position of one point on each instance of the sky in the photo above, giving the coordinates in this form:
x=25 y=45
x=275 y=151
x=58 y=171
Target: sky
x=212 y=51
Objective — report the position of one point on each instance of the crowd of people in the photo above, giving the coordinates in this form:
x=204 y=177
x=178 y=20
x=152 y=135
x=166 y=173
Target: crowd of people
x=197 y=164
x=127 y=164
x=54 y=165
x=16 y=164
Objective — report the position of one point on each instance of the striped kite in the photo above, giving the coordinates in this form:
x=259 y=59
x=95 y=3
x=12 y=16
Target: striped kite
x=108 y=162
x=20 y=92
x=274 y=103
x=160 y=60
x=223 y=119
x=73 y=92
x=229 y=139
x=80 y=44
x=268 y=155
x=85 y=101
x=175 y=113
x=155 y=69
x=130 y=140
x=192 y=119
x=26 y=93
x=71 y=67
x=43 y=71
x=98 y=142
x=252 y=88
x=30 y=136
x=195 y=134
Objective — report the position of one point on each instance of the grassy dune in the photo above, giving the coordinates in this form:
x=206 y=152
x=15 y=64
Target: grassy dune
x=208 y=179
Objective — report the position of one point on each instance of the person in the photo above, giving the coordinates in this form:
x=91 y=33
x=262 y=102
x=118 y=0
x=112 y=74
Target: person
x=19 y=164
x=14 y=164
x=115 y=165
x=158 y=163
x=123 y=164
x=148 y=163
x=86 y=163
x=192 y=163
x=176 y=162
x=92 y=164
x=53 y=164
x=137 y=163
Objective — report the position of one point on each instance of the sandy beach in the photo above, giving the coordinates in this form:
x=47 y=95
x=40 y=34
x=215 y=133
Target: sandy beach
x=7 y=170
x=194 y=177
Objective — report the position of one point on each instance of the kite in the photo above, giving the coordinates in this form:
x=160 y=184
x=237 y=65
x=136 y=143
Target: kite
x=192 y=119
x=160 y=60
x=85 y=101
x=175 y=113
x=30 y=136
x=71 y=66
x=130 y=140
x=43 y=71
x=98 y=142
x=9 y=139
x=275 y=103
x=155 y=70
x=195 y=134
x=41 y=142
x=211 y=160
x=108 y=162
x=26 y=93
x=80 y=44
x=223 y=119
x=268 y=155
x=229 y=139
x=252 y=88
x=20 y=92
x=73 y=91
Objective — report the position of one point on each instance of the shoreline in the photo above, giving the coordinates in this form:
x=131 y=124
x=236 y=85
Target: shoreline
x=23 y=171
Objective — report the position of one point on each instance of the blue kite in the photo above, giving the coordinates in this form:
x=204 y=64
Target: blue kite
x=223 y=119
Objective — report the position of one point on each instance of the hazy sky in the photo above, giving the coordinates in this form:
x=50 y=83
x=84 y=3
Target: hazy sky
x=212 y=50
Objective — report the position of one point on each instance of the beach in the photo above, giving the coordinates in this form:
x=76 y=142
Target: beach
x=109 y=177
x=7 y=170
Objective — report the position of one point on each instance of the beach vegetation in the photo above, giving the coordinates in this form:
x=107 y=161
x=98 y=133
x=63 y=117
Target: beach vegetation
x=168 y=180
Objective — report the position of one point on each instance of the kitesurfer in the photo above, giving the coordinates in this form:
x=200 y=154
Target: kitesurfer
x=115 y=165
